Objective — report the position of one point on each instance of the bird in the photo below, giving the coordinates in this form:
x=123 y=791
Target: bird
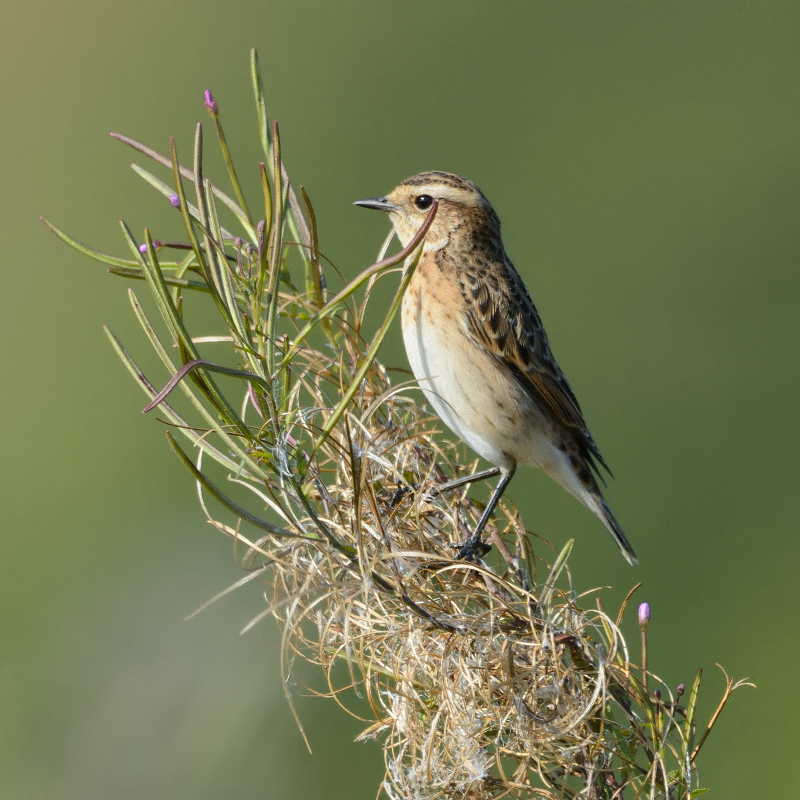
x=478 y=350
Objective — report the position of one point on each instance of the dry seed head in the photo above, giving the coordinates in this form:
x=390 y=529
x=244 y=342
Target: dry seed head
x=478 y=680
x=482 y=681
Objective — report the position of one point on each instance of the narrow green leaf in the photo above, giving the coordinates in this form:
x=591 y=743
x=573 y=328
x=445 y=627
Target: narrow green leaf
x=180 y=334
x=275 y=252
x=86 y=250
x=246 y=462
x=261 y=105
x=264 y=237
x=297 y=224
x=167 y=191
x=185 y=215
x=172 y=416
x=187 y=173
x=317 y=278
x=211 y=263
x=223 y=143
x=232 y=314
x=689 y=725
x=226 y=501
x=182 y=283
x=210 y=367
x=149 y=274
x=555 y=572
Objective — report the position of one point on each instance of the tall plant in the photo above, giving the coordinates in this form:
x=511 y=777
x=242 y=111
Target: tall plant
x=484 y=680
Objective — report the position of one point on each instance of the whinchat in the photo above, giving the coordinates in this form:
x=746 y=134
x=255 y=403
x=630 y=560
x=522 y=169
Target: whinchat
x=479 y=352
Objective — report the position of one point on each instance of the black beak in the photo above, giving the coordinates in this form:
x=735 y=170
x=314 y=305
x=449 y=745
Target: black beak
x=379 y=203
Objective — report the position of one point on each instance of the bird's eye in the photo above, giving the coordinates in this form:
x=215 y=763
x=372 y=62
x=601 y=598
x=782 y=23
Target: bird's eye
x=423 y=201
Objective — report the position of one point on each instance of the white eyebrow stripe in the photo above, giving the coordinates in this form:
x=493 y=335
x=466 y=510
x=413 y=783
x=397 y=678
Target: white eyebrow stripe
x=451 y=193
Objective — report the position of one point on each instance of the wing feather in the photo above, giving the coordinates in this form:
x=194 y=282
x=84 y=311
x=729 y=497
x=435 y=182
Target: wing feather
x=503 y=320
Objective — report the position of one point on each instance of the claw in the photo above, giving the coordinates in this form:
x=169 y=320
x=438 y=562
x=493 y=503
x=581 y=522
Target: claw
x=470 y=549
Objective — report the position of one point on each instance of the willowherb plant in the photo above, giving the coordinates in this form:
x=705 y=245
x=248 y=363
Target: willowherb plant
x=483 y=680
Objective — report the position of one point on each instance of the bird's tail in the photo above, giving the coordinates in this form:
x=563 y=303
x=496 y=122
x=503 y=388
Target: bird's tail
x=597 y=504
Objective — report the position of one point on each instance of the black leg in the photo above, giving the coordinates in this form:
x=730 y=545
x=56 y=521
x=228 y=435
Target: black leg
x=474 y=543
x=478 y=476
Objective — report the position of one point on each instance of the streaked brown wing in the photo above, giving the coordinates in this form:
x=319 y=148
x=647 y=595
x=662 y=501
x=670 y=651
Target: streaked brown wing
x=504 y=321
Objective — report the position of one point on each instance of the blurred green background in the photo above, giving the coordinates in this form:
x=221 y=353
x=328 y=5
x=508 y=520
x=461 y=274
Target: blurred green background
x=644 y=160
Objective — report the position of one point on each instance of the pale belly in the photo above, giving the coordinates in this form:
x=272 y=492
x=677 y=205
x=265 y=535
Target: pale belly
x=478 y=399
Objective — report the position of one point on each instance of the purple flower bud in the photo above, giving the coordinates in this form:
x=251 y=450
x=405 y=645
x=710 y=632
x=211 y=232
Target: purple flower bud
x=657 y=694
x=211 y=103
x=175 y=200
x=142 y=248
x=681 y=690
x=238 y=242
x=262 y=226
x=644 y=615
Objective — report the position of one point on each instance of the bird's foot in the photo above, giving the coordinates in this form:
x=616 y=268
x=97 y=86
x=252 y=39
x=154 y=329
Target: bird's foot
x=472 y=548
x=400 y=494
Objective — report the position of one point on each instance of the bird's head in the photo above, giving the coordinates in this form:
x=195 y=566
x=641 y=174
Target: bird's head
x=462 y=208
